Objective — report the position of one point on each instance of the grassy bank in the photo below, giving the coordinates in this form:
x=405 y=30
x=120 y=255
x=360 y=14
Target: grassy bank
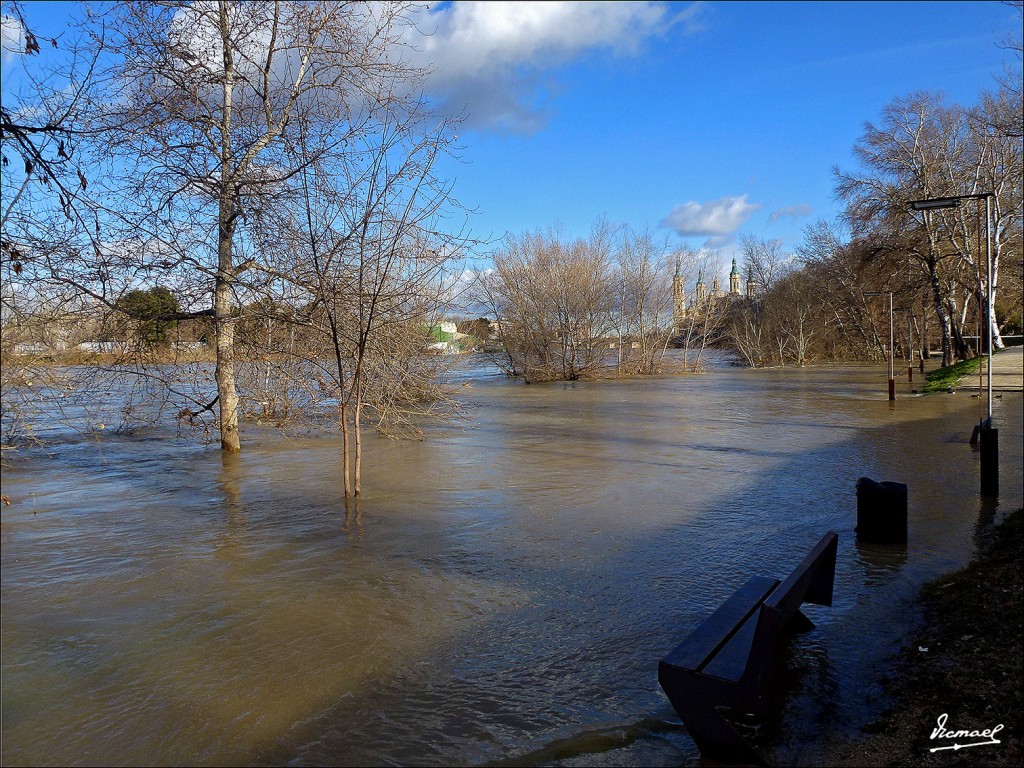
x=968 y=663
x=943 y=379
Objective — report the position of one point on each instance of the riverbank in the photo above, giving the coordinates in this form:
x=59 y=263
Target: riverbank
x=967 y=663
x=1007 y=373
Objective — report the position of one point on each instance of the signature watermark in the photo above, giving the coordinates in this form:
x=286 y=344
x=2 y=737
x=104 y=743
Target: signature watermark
x=941 y=732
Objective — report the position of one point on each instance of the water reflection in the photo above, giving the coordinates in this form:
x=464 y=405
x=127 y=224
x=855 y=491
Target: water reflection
x=230 y=485
x=881 y=562
x=503 y=590
x=353 y=524
x=988 y=514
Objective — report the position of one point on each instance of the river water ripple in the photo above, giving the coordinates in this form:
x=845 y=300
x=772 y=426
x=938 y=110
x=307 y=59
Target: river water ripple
x=502 y=594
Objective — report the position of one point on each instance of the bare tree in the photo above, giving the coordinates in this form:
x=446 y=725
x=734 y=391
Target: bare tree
x=922 y=149
x=41 y=123
x=799 y=314
x=367 y=249
x=646 y=310
x=842 y=271
x=901 y=160
x=763 y=261
x=208 y=98
x=555 y=301
x=747 y=333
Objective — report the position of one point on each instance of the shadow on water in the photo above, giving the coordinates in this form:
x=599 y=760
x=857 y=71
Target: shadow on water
x=501 y=595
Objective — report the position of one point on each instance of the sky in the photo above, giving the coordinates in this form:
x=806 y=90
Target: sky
x=701 y=121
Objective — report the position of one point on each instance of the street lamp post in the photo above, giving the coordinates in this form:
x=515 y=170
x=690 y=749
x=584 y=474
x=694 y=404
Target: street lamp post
x=892 y=375
x=892 y=354
x=989 y=435
x=910 y=348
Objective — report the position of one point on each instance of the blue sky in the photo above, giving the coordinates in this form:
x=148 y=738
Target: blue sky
x=702 y=121
x=732 y=116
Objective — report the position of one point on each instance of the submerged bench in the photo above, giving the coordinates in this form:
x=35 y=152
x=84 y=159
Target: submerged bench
x=727 y=661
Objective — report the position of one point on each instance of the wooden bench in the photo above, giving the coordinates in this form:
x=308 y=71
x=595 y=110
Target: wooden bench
x=726 y=662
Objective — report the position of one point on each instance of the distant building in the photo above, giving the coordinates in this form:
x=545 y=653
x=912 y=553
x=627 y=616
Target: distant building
x=101 y=347
x=734 y=280
x=678 y=299
x=700 y=292
x=702 y=296
x=446 y=338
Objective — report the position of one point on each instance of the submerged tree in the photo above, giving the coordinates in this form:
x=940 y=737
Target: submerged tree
x=555 y=302
x=373 y=261
x=645 y=311
x=202 y=104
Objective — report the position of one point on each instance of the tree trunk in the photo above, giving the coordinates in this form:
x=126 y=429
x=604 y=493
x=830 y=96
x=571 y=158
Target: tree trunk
x=358 y=474
x=225 y=326
x=926 y=346
x=345 y=450
x=956 y=334
x=945 y=323
x=997 y=338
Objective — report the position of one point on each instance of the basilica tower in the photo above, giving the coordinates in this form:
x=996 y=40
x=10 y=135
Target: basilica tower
x=678 y=299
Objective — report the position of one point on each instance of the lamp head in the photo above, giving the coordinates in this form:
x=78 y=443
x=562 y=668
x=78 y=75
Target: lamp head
x=935 y=203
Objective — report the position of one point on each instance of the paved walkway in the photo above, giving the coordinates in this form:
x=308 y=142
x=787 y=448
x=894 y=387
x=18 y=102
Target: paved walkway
x=1007 y=372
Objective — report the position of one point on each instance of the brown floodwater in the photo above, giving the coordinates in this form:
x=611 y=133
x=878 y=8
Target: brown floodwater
x=502 y=594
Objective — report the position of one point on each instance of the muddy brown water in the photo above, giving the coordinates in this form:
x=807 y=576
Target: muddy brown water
x=502 y=594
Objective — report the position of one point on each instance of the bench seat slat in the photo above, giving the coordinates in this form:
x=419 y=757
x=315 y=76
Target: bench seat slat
x=731 y=660
x=716 y=630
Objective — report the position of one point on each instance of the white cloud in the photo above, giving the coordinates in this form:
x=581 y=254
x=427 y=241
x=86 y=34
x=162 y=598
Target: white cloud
x=12 y=38
x=716 y=219
x=496 y=64
x=488 y=58
x=790 y=212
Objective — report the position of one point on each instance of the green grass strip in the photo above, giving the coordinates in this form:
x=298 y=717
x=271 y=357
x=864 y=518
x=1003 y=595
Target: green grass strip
x=949 y=377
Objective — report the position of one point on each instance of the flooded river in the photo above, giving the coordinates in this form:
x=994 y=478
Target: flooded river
x=502 y=595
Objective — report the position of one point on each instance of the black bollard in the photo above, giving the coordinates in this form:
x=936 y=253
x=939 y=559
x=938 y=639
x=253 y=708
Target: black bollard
x=881 y=511
x=989 y=460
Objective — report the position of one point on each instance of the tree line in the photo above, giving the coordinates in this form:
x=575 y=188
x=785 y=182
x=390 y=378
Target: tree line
x=830 y=299
x=561 y=301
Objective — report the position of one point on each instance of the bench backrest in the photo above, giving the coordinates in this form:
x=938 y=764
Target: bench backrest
x=810 y=582
x=718 y=628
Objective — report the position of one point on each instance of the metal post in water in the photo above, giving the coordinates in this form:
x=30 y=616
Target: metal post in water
x=989 y=435
x=892 y=352
x=989 y=460
x=910 y=349
x=892 y=378
x=989 y=311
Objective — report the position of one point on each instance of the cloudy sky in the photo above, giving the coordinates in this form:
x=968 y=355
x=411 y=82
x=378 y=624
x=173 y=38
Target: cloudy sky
x=702 y=121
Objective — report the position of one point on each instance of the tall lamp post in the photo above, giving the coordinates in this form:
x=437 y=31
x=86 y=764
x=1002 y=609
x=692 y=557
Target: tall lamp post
x=910 y=348
x=989 y=435
x=892 y=375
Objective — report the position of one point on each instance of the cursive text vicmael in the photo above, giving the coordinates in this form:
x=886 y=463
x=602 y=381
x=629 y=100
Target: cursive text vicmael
x=941 y=733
